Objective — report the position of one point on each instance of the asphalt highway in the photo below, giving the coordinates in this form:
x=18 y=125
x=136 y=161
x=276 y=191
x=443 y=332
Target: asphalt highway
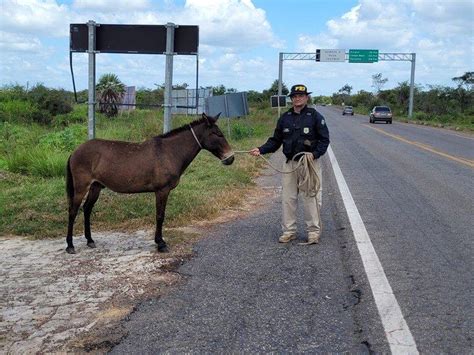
x=245 y=292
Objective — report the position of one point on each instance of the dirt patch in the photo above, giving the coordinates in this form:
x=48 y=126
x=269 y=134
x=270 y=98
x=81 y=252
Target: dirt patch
x=51 y=301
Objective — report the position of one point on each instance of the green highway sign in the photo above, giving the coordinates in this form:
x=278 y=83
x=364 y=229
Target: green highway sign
x=363 y=55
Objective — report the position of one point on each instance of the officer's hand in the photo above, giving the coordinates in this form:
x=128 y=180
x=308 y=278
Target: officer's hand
x=255 y=152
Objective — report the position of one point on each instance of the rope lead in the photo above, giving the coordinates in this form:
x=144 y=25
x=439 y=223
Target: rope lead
x=308 y=180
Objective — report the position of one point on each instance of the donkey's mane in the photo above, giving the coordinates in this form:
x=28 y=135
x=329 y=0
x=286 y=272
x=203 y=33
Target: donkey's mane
x=182 y=128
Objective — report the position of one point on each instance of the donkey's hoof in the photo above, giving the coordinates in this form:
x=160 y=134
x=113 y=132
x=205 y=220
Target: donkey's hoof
x=71 y=250
x=163 y=248
x=91 y=245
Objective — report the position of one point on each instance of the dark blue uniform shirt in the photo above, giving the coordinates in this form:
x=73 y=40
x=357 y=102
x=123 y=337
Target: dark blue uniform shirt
x=303 y=132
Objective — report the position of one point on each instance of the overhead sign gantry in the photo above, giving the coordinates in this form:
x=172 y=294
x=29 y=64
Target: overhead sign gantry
x=351 y=56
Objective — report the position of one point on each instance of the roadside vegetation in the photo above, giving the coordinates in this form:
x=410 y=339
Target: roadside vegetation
x=442 y=106
x=35 y=144
x=40 y=127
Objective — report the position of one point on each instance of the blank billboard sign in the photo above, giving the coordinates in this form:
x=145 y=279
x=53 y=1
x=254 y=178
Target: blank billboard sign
x=143 y=39
x=230 y=105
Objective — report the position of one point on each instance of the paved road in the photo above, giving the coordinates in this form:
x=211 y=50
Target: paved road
x=245 y=292
x=413 y=186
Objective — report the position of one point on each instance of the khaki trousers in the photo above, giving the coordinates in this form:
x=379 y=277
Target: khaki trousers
x=311 y=205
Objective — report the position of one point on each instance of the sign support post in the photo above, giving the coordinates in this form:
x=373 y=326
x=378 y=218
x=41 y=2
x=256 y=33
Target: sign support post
x=280 y=75
x=412 y=85
x=168 y=75
x=91 y=26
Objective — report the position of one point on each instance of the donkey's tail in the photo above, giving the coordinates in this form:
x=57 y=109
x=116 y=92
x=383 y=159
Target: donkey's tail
x=69 y=182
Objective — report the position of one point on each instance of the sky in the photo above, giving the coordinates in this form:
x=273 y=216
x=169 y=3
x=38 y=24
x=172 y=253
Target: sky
x=240 y=41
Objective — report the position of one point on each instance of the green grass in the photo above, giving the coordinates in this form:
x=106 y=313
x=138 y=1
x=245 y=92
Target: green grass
x=460 y=122
x=32 y=165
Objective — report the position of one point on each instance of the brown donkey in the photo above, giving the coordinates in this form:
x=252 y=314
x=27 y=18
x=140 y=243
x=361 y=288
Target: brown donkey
x=152 y=166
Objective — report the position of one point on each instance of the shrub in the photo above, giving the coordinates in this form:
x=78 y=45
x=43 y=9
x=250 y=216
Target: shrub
x=19 y=111
x=78 y=115
x=13 y=92
x=55 y=104
x=53 y=101
x=42 y=117
x=421 y=116
x=241 y=131
x=65 y=140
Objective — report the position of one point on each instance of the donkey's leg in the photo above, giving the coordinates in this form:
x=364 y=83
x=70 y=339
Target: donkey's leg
x=74 y=205
x=92 y=196
x=161 y=199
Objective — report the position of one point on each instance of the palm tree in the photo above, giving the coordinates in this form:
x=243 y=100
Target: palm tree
x=110 y=91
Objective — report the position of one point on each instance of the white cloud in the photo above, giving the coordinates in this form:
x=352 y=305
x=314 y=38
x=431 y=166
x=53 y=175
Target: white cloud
x=228 y=29
x=440 y=32
x=12 y=42
x=372 y=23
x=238 y=47
x=228 y=23
x=35 y=17
x=112 y=5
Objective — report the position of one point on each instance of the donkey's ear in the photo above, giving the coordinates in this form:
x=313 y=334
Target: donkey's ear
x=207 y=119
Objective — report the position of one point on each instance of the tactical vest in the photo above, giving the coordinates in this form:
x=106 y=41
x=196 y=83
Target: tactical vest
x=299 y=132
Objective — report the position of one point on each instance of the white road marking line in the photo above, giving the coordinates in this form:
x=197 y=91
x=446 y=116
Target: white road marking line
x=396 y=329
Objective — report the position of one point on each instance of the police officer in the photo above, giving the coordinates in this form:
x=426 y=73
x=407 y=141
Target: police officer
x=300 y=129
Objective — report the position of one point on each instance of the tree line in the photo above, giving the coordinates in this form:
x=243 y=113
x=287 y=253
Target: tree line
x=430 y=101
x=41 y=104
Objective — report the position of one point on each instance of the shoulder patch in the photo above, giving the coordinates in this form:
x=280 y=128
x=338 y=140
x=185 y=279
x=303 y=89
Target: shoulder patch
x=323 y=122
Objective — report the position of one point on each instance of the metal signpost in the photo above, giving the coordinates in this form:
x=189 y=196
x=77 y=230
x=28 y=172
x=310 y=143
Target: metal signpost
x=91 y=26
x=353 y=56
x=169 y=39
x=168 y=76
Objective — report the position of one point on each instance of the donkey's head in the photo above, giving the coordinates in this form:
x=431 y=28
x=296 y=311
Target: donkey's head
x=212 y=139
